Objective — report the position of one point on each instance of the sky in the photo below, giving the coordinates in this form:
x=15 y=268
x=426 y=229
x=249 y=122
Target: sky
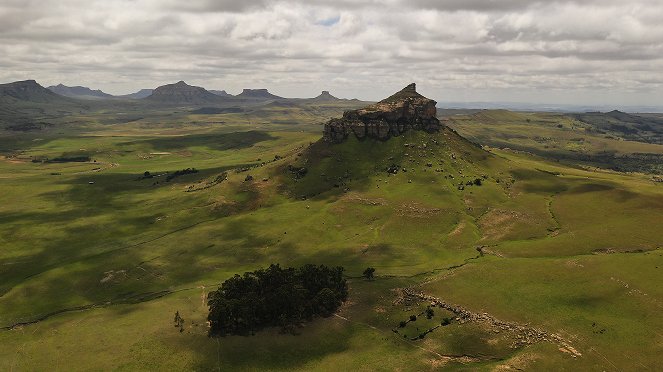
x=566 y=51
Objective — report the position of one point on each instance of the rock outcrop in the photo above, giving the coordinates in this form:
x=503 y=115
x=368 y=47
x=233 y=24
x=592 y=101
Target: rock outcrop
x=405 y=110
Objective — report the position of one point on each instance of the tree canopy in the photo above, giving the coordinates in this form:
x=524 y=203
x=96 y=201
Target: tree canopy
x=275 y=296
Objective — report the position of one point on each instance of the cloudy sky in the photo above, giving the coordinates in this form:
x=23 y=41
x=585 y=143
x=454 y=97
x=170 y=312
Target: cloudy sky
x=565 y=51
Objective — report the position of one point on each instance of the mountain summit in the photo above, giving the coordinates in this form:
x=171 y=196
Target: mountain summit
x=78 y=92
x=183 y=93
x=403 y=111
x=258 y=94
x=325 y=96
x=29 y=90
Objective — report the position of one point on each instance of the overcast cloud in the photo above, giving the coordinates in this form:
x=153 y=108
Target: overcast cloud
x=566 y=51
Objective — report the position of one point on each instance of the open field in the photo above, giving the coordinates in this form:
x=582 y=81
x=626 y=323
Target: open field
x=96 y=258
x=615 y=140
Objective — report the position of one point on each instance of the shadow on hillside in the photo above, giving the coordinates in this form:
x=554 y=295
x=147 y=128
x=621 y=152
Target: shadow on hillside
x=215 y=141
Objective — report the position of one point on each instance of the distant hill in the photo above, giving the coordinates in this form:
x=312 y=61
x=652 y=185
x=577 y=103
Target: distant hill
x=143 y=93
x=627 y=126
x=78 y=92
x=217 y=110
x=257 y=94
x=221 y=93
x=325 y=96
x=182 y=93
x=26 y=106
x=29 y=91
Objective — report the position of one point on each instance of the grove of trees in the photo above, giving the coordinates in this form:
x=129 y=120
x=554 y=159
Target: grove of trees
x=275 y=296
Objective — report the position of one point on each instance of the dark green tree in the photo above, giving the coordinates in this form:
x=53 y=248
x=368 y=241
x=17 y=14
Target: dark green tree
x=369 y=273
x=275 y=297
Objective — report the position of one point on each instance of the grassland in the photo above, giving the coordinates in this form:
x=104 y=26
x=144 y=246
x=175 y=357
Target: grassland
x=596 y=139
x=96 y=259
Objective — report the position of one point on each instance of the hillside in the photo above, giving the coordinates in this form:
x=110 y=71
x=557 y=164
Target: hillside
x=221 y=93
x=484 y=258
x=615 y=140
x=28 y=91
x=143 y=93
x=27 y=106
x=78 y=92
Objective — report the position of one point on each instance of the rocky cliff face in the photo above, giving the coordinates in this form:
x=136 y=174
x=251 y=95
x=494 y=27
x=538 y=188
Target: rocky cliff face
x=405 y=110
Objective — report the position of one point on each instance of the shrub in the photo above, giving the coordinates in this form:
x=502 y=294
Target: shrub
x=369 y=273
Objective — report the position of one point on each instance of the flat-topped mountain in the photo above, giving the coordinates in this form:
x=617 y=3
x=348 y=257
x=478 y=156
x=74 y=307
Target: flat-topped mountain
x=261 y=94
x=403 y=111
x=78 y=92
x=182 y=93
x=28 y=90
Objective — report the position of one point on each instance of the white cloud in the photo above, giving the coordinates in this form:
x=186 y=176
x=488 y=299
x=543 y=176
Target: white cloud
x=363 y=48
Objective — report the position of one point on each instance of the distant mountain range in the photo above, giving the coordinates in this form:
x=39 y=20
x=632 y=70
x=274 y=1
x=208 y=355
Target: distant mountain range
x=177 y=93
x=78 y=92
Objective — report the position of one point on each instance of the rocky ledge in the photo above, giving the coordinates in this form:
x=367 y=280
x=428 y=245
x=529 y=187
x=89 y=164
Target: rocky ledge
x=405 y=110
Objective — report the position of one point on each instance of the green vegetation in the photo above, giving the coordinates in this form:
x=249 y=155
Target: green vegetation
x=275 y=297
x=614 y=140
x=91 y=275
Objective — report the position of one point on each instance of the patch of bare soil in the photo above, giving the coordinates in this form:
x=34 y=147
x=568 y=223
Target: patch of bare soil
x=415 y=210
x=459 y=229
x=357 y=198
x=497 y=223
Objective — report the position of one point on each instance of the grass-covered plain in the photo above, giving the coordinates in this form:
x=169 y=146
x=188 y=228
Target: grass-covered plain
x=96 y=258
x=593 y=139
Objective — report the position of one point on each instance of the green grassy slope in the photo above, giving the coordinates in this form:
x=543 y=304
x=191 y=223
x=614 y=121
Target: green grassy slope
x=536 y=242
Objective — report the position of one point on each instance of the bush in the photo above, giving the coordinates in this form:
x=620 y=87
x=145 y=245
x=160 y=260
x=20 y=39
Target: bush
x=429 y=312
x=181 y=173
x=413 y=318
x=369 y=273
